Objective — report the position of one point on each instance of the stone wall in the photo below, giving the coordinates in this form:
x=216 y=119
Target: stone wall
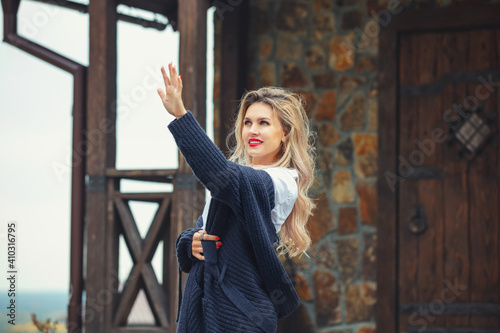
x=326 y=51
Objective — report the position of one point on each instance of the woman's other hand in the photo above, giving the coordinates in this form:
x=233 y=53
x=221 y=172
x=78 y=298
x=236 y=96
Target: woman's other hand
x=172 y=96
x=196 y=246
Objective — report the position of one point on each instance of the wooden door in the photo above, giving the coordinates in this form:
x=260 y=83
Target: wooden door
x=448 y=224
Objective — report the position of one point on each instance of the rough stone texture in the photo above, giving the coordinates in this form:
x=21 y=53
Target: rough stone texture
x=347 y=251
x=259 y=22
x=302 y=287
x=365 y=150
x=343 y=189
x=359 y=302
x=352 y=19
x=323 y=25
x=298 y=322
x=323 y=255
x=372 y=115
x=366 y=64
x=292 y=76
x=366 y=39
x=376 y=5
x=301 y=262
x=309 y=100
x=327 y=295
x=353 y=118
x=348 y=220
x=324 y=80
x=327 y=107
x=317 y=185
x=327 y=134
x=315 y=57
x=288 y=46
x=367 y=194
x=268 y=74
x=348 y=85
x=366 y=330
x=292 y=17
x=373 y=89
x=369 y=259
x=322 y=5
x=344 y=152
x=322 y=222
x=266 y=48
x=342 y=52
x=325 y=162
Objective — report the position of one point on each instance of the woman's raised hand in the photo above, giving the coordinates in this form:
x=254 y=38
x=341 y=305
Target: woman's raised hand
x=197 y=248
x=172 y=96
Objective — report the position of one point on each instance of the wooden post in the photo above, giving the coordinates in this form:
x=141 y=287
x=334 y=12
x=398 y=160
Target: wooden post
x=233 y=67
x=101 y=143
x=189 y=198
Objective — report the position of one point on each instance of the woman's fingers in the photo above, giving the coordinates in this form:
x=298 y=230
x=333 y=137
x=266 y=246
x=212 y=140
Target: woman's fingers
x=173 y=75
x=199 y=256
x=197 y=247
x=165 y=77
x=161 y=93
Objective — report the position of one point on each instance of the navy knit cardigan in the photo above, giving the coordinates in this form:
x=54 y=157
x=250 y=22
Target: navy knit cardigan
x=242 y=287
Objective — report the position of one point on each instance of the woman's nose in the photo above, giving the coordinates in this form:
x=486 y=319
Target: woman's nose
x=254 y=130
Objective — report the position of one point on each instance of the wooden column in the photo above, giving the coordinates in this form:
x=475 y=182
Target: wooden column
x=189 y=198
x=233 y=67
x=101 y=141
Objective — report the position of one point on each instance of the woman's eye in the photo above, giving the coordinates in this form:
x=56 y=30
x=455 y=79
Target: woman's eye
x=263 y=122
x=247 y=122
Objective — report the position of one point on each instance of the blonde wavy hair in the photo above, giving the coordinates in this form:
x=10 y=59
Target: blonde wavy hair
x=297 y=153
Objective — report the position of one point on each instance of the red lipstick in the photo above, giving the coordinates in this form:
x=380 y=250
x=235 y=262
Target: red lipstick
x=254 y=142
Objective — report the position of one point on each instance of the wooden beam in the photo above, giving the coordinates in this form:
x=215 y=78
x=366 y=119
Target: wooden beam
x=102 y=245
x=233 y=68
x=189 y=196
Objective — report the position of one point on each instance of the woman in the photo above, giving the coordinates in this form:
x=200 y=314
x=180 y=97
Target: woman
x=236 y=282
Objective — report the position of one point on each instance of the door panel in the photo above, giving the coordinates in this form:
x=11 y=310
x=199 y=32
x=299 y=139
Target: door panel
x=448 y=275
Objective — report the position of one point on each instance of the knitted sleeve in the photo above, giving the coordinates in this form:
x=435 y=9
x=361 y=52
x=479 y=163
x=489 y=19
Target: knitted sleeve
x=213 y=170
x=183 y=247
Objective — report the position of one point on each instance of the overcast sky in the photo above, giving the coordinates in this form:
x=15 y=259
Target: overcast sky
x=36 y=129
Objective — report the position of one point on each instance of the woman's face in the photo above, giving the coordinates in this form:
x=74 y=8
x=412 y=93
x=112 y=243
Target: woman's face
x=262 y=134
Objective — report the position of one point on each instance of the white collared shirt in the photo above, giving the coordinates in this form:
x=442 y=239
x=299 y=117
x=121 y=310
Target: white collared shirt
x=285 y=194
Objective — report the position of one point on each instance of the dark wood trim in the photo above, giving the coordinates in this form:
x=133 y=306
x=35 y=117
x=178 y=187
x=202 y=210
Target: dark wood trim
x=436 y=87
x=452 y=330
x=386 y=308
x=460 y=17
x=102 y=262
x=189 y=198
x=451 y=18
x=479 y=309
x=160 y=175
x=233 y=68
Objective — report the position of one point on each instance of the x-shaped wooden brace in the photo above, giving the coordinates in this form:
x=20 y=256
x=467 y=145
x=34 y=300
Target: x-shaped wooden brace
x=142 y=252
